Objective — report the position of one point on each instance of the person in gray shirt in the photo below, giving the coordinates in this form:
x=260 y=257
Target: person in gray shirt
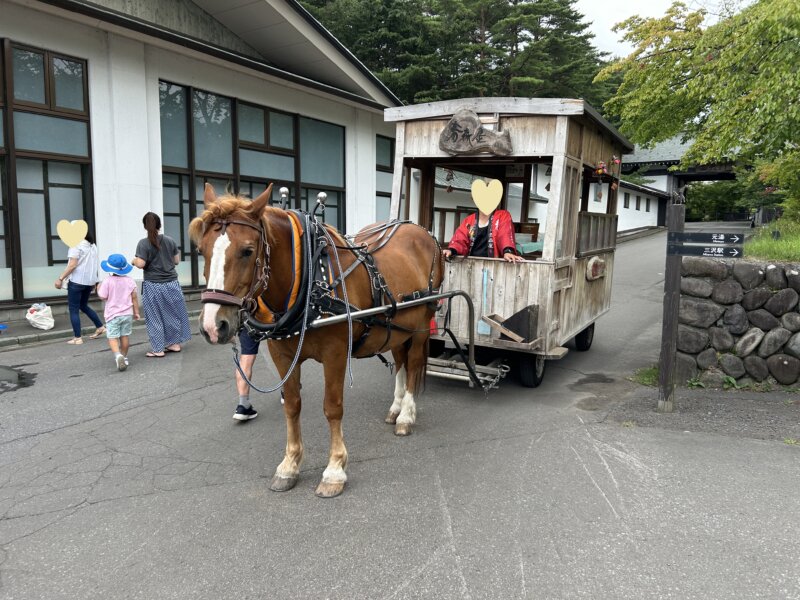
x=165 y=313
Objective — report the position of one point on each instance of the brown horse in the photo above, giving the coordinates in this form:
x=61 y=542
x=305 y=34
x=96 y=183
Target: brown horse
x=250 y=249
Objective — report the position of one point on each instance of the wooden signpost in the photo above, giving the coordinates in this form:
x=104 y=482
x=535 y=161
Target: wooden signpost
x=680 y=243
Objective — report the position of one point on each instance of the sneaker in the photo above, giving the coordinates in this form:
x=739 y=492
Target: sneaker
x=122 y=364
x=245 y=414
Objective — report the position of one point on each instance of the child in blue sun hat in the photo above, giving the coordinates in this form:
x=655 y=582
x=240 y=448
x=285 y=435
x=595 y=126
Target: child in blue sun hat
x=122 y=306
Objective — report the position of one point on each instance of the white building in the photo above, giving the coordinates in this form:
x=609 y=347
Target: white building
x=111 y=108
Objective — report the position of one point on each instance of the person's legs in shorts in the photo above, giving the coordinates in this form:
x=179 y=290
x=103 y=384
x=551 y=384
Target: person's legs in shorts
x=249 y=352
x=118 y=331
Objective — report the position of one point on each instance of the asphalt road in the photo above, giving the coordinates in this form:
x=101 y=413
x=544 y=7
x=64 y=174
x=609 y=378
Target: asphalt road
x=140 y=485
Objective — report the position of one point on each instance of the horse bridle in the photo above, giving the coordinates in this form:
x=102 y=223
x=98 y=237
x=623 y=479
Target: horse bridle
x=248 y=302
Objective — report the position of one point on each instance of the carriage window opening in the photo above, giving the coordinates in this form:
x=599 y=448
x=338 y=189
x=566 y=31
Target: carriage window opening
x=174 y=134
x=626 y=203
x=647 y=204
x=638 y=203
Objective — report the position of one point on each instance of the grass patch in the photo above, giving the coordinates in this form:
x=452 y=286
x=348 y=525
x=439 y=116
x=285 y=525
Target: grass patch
x=764 y=246
x=791 y=441
x=629 y=423
x=646 y=376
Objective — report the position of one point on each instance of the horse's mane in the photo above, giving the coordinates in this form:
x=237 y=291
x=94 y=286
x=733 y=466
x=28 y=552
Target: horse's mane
x=226 y=207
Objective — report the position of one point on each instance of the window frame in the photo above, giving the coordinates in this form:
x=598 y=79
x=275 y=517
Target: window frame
x=11 y=154
x=638 y=202
x=49 y=106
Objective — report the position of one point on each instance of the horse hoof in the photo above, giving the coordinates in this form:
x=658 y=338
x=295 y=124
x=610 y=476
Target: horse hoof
x=391 y=418
x=282 y=484
x=329 y=490
x=402 y=429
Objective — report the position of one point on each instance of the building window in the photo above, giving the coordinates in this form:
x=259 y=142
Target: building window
x=240 y=147
x=626 y=203
x=647 y=204
x=47 y=176
x=384 y=167
x=638 y=203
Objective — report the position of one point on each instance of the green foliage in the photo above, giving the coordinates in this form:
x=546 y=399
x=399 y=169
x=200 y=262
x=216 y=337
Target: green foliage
x=646 y=376
x=731 y=87
x=729 y=382
x=638 y=177
x=694 y=382
x=764 y=246
x=427 y=50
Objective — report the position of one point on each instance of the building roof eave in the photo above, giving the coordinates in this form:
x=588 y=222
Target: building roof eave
x=134 y=24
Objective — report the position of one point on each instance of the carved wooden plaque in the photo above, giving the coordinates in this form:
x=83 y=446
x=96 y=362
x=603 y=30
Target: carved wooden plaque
x=465 y=134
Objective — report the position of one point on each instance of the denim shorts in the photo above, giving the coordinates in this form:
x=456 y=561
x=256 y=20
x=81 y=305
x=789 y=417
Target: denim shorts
x=119 y=326
x=249 y=346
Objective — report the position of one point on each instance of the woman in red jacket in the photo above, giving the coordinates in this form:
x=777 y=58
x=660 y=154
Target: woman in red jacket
x=489 y=235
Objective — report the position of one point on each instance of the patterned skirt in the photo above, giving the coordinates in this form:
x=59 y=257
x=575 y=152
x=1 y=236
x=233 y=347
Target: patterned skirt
x=165 y=314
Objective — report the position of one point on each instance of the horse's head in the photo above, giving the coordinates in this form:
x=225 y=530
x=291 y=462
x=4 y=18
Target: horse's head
x=232 y=236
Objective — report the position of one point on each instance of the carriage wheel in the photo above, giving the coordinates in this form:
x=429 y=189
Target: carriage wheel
x=531 y=370
x=583 y=341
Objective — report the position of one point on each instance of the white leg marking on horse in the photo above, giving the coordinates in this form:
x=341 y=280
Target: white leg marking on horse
x=408 y=410
x=334 y=475
x=216 y=281
x=287 y=469
x=399 y=390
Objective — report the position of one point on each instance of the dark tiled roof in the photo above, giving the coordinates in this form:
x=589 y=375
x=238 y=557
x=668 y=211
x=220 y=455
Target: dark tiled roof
x=668 y=151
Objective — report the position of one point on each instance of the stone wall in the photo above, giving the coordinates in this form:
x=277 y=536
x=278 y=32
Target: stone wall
x=738 y=319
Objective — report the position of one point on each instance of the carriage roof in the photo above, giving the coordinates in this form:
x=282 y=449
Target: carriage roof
x=518 y=110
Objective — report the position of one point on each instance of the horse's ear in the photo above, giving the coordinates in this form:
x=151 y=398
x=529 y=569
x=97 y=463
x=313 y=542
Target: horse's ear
x=209 y=196
x=257 y=206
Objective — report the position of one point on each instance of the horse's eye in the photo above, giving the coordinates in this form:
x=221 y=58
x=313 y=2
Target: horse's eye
x=247 y=252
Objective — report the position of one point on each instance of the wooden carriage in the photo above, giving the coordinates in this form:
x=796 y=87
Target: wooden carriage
x=552 y=156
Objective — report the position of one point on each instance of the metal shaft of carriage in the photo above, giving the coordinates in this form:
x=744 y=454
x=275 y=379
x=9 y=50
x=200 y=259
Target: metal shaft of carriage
x=385 y=309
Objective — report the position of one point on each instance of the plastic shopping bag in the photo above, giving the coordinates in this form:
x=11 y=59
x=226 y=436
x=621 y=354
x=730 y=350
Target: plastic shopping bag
x=40 y=316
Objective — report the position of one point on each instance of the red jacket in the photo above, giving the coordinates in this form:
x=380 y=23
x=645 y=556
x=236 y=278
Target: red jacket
x=502 y=234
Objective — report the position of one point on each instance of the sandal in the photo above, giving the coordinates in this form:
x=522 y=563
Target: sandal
x=155 y=355
x=75 y=341
x=100 y=331
x=171 y=349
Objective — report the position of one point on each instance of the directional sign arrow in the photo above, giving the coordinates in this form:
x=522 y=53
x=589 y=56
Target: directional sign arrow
x=706 y=238
x=709 y=251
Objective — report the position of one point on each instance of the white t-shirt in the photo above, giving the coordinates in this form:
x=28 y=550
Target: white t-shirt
x=88 y=263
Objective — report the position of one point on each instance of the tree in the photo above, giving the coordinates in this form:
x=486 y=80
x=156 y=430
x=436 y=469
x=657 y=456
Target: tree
x=732 y=87
x=426 y=50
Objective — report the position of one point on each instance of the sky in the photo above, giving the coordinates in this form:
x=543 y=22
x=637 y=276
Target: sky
x=605 y=13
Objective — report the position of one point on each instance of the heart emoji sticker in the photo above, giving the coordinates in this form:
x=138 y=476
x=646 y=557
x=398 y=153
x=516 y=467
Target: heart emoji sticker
x=487 y=197
x=72 y=233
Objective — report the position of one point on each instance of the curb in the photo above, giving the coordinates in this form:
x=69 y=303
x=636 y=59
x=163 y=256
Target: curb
x=11 y=342
x=639 y=233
